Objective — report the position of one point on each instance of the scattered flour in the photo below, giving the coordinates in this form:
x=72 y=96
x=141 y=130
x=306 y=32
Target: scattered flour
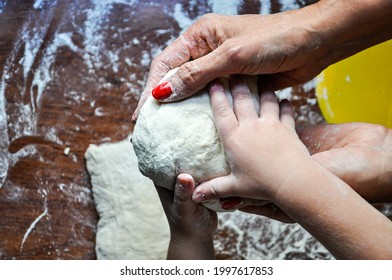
x=32 y=226
x=2 y=5
x=38 y=4
x=67 y=150
x=289 y=5
x=39 y=69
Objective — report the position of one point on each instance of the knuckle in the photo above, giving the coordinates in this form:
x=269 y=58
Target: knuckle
x=159 y=64
x=268 y=97
x=180 y=196
x=213 y=192
x=158 y=60
x=208 y=18
x=188 y=74
x=223 y=112
x=242 y=93
x=234 y=53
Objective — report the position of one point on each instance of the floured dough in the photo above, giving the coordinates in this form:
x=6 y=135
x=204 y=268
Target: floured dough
x=181 y=137
x=132 y=224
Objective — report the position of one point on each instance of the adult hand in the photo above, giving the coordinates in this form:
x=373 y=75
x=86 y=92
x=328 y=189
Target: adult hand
x=358 y=153
x=217 y=45
x=192 y=225
x=290 y=47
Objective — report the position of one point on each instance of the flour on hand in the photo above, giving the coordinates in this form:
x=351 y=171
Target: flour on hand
x=181 y=137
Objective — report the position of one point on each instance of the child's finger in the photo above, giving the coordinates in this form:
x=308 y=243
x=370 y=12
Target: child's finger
x=269 y=105
x=287 y=113
x=243 y=105
x=183 y=204
x=224 y=117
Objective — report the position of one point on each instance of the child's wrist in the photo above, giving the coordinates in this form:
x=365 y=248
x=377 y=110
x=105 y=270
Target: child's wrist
x=188 y=239
x=190 y=248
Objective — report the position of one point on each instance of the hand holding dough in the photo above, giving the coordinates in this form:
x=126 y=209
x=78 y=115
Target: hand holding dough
x=181 y=137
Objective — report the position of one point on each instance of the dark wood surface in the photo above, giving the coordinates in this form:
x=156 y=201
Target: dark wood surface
x=71 y=73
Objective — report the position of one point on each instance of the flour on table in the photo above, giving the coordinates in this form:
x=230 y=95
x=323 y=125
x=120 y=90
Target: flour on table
x=132 y=224
x=181 y=137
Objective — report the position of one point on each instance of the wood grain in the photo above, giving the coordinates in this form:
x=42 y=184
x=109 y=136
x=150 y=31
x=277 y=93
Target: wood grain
x=82 y=102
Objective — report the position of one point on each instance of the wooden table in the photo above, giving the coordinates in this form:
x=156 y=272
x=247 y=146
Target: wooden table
x=71 y=74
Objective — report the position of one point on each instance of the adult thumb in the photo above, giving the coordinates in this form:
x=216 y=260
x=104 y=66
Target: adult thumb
x=190 y=77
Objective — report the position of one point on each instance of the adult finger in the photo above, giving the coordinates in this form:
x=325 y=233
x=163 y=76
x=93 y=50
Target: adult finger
x=183 y=204
x=190 y=45
x=243 y=105
x=193 y=76
x=194 y=53
x=287 y=114
x=224 y=117
x=172 y=56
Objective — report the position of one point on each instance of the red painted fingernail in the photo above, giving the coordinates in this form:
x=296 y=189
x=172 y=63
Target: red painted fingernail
x=162 y=91
x=231 y=203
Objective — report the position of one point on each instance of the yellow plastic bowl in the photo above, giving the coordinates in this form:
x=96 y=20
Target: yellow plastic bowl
x=359 y=88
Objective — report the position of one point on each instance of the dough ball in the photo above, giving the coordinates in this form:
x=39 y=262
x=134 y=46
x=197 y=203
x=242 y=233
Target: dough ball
x=181 y=137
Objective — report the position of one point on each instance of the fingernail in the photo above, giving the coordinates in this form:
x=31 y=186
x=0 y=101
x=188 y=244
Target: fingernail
x=180 y=184
x=198 y=197
x=133 y=118
x=231 y=203
x=162 y=91
x=216 y=85
x=183 y=184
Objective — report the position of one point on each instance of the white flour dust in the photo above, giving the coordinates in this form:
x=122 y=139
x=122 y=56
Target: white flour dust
x=35 y=80
x=289 y=5
x=32 y=226
x=36 y=70
x=259 y=237
x=2 y=5
x=30 y=39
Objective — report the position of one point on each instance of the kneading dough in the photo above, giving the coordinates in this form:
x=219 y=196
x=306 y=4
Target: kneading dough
x=181 y=137
x=132 y=224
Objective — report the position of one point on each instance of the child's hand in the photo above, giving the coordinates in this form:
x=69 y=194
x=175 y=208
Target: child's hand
x=192 y=225
x=262 y=146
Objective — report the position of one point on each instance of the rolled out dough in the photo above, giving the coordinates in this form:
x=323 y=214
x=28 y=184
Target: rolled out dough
x=181 y=137
x=132 y=224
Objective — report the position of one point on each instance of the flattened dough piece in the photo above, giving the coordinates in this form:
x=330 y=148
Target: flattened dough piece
x=132 y=224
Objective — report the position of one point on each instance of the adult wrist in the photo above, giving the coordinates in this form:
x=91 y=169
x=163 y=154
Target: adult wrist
x=348 y=27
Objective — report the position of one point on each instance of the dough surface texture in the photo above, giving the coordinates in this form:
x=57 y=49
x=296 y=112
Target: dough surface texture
x=132 y=224
x=181 y=137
